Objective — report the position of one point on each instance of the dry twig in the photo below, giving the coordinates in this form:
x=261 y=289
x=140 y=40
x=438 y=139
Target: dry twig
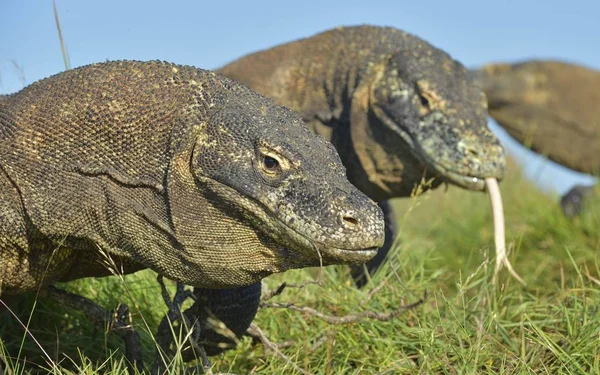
x=346 y=319
x=255 y=331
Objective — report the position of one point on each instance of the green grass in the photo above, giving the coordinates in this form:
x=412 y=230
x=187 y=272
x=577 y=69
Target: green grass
x=465 y=326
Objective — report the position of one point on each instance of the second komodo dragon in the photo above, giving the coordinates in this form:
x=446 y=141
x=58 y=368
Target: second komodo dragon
x=171 y=168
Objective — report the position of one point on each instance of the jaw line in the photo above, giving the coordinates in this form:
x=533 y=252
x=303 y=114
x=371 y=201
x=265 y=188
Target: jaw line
x=358 y=256
x=465 y=182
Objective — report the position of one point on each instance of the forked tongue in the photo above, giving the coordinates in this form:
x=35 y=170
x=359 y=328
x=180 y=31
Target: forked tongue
x=498 y=215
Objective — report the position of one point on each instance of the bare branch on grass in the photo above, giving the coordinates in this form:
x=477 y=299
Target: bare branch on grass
x=255 y=331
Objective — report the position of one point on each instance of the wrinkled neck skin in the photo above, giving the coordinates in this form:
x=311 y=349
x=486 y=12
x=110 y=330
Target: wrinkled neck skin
x=324 y=91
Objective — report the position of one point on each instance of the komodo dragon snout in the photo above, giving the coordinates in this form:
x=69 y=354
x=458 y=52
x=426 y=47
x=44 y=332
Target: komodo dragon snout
x=434 y=106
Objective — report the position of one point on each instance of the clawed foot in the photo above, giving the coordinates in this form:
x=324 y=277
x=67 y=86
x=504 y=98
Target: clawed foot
x=117 y=321
x=176 y=322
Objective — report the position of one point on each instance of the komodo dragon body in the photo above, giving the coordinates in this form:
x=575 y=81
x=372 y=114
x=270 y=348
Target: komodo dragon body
x=171 y=168
x=398 y=110
x=553 y=107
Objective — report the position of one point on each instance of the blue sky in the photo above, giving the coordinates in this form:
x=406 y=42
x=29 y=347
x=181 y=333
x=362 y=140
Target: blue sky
x=209 y=34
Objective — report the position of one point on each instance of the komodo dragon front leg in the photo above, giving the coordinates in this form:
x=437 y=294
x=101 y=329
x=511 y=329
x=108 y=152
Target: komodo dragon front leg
x=215 y=322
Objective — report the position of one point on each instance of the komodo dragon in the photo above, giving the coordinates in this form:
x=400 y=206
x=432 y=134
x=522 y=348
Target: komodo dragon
x=398 y=110
x=552 y=107
x=171 y=168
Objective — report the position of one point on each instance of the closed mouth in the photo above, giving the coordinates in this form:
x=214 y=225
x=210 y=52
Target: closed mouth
x=354 y=255
x=463 y=181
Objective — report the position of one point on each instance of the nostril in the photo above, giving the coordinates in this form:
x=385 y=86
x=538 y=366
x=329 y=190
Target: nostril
x=349 y=221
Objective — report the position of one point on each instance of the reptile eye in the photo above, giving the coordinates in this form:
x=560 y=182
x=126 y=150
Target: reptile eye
x=270 y=164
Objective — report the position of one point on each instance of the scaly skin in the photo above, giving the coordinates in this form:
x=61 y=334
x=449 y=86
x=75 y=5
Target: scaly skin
x=171 y=168
x=398 y=110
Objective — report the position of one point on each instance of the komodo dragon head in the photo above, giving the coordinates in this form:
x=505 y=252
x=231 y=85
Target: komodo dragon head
x=286 y=186
x=427 y=103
